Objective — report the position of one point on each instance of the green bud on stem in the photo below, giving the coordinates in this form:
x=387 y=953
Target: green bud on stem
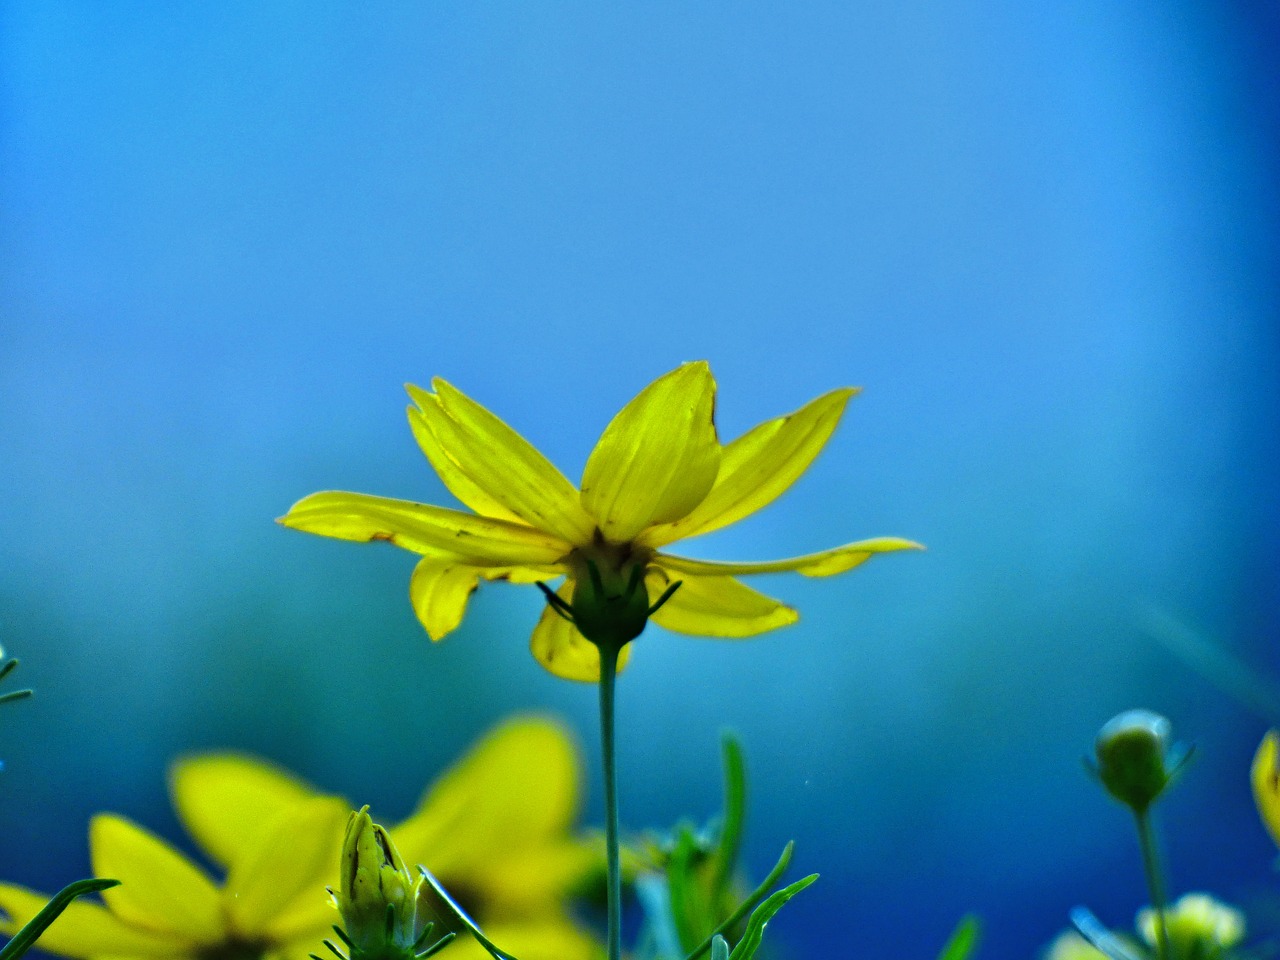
x=1133 y=758
x=378 y=898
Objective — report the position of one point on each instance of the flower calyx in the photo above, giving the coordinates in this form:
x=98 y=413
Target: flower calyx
x=610 y=603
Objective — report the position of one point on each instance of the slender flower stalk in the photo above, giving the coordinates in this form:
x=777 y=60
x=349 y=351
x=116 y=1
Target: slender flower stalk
x=1155 y=881
x=608 y=676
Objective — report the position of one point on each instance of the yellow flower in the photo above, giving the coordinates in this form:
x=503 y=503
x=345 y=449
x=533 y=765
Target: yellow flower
x=494 y=829
x=278 y=848
x=657 y=475
x=1266 y=783
x=1199 y=926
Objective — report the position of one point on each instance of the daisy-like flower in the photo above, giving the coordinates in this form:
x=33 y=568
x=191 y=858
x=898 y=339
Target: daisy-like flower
x=494 y=828
x=278 y=848
x=657 y=475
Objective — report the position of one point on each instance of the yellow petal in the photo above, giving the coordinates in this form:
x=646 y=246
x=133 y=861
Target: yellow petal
x=716 y=606
x=440 y=589
x=294 y=859
x=516 y=789
x=758 y=467
x=658 y=458
x=226 y=799
x=544 y=937
x=826 y=563
x=1266 y=784
x=532 y=881
x=502 y=465
x=451 y=475
x=85 y=929
x=562 y=650
x=480 y=541
x=160 y=889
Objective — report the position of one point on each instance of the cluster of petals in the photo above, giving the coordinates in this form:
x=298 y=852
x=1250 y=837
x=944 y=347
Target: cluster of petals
x=658 y=474
x=495 y=827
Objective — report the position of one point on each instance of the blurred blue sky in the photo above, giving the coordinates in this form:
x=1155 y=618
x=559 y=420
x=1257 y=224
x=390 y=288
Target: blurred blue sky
x=1042 y=237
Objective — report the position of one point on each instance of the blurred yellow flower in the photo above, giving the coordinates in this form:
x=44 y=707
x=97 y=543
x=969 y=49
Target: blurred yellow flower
x=1266 y=784
x=657 y=475
x=1198 y=925
x=278 y=849
x=494 y=828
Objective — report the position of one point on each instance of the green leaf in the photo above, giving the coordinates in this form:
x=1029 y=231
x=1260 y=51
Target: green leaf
x=683 y=883
x=29 y=934
x=757 y=895
x=750 y=942
x=963 y=939
x=459 y=916
x=735 y=808
x=719 y=948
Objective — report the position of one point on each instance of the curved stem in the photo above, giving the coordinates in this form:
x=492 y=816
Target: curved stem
x=1155 y=880
x=608 y=674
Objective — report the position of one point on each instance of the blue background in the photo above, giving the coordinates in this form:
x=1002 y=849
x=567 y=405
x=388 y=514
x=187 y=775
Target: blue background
x=1042 y=236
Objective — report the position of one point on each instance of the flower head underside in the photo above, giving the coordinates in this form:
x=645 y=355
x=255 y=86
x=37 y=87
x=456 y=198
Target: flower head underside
x=657 y=475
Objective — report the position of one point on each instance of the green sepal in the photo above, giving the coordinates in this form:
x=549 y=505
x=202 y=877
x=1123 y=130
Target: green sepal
x=964 y=939
x=30 y=933
x=746 y=947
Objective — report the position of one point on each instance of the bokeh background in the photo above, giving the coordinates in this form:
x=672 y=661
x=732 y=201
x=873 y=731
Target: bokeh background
x=1041 y=236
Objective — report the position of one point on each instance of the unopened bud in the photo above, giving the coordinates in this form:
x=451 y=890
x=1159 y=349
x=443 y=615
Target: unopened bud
x=1133 y=753
x=378 y=895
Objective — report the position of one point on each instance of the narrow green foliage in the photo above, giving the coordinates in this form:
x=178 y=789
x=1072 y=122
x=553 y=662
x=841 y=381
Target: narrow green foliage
x=747 y=905
x=760 y=917
x=29 y=934
x=688 y=902
x=735 y=811
x=963 y=941
x=460 y=918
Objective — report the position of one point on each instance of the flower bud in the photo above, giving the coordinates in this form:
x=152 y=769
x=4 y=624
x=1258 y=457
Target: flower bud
x=1132 y=751
x=378 y=895
x=1198 y=925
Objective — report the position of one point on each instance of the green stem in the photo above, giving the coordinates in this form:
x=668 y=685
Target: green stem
x=608 y=674
x=1155 y=880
